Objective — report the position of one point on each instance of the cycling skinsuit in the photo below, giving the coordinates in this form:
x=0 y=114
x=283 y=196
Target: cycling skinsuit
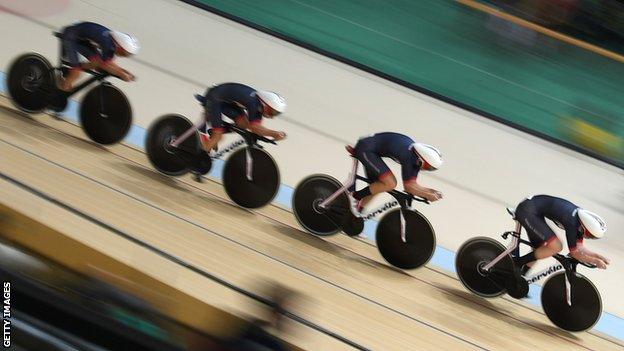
x=88 y=39
x=233 y=100
x=370 y=150
x=532 y=214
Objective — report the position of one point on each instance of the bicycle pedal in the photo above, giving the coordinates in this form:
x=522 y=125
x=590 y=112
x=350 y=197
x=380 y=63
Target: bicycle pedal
x=518 y=288
x=352 y=226
x=198 y=177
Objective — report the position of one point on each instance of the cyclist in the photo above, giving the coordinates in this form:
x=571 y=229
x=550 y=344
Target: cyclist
x=241 y=103
x=99 y=45
x=412 y=156
x=578 y=224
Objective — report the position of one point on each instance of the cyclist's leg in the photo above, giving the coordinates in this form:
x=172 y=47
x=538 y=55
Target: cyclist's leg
x=212 y=112
x=70 y=57
x=383 y=178
x=376 y=170
x=541 y=236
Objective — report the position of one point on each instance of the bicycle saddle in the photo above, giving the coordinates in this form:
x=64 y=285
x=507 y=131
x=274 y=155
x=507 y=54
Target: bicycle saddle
x=201 y=99
x=350 y=150
x=512 y=212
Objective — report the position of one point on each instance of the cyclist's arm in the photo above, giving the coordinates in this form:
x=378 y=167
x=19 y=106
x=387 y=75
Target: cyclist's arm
x=264 y=131
x=242 y=121
x=582 y=254
x=409 y=173
x=112 y=68
x=417 y=190
x=93 y=64
x=597 y=255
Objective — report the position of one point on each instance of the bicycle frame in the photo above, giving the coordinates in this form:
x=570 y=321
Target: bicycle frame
x=349 y=182
x=564 y=263
x=513 y=245
x=96 y=76
x=402 y=199
x=543 y=273
x=248 y=138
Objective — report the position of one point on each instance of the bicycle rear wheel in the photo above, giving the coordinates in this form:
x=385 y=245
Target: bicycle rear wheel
x=162 y=156
x=30 y=82
x=306 y=200
x=470 y=259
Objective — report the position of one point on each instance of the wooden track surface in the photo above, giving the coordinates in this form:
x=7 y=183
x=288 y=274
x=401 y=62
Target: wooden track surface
x=350 y=290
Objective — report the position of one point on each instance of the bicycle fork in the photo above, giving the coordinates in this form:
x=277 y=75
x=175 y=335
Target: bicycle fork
x=248 y=164
x=403 y=225
x=350 y=182
x=102 y=104
x=569 y=270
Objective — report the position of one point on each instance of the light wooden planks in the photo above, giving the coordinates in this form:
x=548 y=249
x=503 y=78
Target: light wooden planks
x=354 y=294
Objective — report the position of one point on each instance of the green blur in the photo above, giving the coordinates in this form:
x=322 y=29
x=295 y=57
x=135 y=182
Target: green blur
x=527 y=78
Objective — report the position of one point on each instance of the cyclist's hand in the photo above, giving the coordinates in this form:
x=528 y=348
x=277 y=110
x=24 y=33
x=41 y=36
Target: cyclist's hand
x=279 y=136
x=435 y=195
x=604 y=259
x=127 y=76
x=599 y=263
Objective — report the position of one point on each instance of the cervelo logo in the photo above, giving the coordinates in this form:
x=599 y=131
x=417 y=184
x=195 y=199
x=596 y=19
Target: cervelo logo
x=380 y=210
x=229 y=148
x=545 y=273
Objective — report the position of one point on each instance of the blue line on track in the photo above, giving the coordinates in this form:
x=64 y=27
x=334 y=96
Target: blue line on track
x=442 y=258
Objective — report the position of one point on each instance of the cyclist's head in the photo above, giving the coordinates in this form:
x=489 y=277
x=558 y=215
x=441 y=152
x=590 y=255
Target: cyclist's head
x=273 y=104
x=593 y=226
x=126 y=44
x=431 y=158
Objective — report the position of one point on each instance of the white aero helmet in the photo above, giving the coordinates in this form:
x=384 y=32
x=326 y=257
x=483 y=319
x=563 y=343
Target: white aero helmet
x=432 y=157
x=127 y=42
x=274 y=100
x=592 y=223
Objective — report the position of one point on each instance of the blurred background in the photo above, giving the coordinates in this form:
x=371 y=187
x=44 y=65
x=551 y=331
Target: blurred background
x=549 y=67
x=54 y=307
x=461 y=51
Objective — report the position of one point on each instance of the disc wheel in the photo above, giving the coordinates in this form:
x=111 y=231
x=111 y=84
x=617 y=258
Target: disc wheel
x=165 y=158
x=105 y=114
x=261 y=187
x=419 y=243
x=306 y=200
x=586 y=306
x=30 y=82
x=472 y=256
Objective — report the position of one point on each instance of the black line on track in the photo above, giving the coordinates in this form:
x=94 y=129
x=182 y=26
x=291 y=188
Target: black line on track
x=366 y=69
x=198 y=270
x=399 y=81
x=287 y=225
x=277 y=221
x=178 y=261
